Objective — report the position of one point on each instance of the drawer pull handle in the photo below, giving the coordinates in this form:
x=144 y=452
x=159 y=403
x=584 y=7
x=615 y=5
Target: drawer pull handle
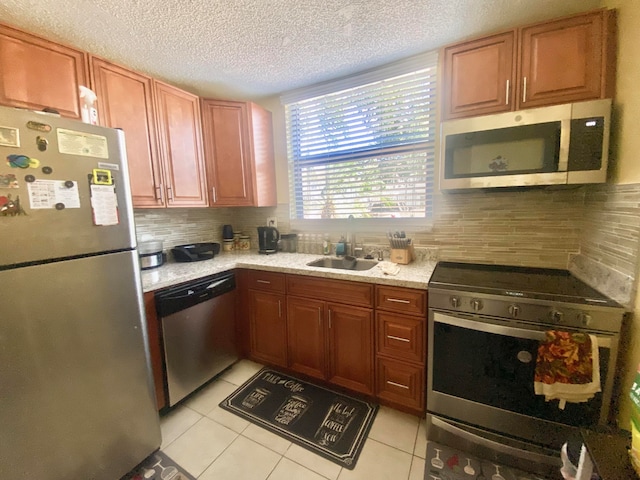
x=397 y=384
x=393 y=337
x=397 y=300
x=264 y=281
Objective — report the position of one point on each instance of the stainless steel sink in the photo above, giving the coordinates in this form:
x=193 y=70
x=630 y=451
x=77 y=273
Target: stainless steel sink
x=343 y=263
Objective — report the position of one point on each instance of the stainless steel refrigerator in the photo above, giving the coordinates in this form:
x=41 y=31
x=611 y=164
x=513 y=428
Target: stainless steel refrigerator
x=76 y=397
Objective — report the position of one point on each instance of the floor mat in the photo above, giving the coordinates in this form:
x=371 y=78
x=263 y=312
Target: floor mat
x=330 y=424
x=158 y=466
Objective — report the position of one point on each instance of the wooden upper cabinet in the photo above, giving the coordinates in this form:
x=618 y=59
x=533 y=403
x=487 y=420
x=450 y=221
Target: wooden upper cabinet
x=36 y=73
x=478 y=76
x=566 y=60
x=179 y=134
x=125 y=100
x=239 y=154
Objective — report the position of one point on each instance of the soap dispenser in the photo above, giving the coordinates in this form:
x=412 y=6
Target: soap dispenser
x=341 y=246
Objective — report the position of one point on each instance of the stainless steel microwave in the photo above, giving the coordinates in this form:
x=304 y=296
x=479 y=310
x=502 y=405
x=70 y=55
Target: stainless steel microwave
x=557 y=145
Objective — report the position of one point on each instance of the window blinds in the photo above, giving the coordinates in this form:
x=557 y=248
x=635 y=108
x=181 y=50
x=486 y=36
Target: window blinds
x=364 y=146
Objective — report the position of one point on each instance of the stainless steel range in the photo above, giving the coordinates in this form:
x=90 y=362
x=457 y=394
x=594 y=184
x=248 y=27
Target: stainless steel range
x=485 y=325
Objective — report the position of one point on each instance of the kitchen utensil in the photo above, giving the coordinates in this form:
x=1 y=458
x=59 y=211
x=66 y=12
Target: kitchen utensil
x=438 y=463
x=497 y=476
x=468 y=469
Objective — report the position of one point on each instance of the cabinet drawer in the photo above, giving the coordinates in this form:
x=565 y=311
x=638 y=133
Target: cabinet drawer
x=268 y=281
x=340 y=291
x=404 y=300
x=401 y=337
x=400 y=383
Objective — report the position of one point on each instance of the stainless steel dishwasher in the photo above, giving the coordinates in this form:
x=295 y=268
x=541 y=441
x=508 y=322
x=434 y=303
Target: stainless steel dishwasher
x=198 y=329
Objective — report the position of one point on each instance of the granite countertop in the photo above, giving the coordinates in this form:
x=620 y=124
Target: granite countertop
x=414 y=275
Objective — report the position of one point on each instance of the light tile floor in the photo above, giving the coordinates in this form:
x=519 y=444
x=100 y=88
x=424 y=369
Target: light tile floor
x=211 y=443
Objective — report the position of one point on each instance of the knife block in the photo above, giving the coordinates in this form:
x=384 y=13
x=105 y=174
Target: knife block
x=403 y=256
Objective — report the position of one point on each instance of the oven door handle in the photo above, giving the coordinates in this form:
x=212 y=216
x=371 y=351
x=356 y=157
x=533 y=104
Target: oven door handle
x=527 y=333
x=491 y=444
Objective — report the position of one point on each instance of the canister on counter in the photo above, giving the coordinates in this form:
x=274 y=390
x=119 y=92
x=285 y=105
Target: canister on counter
x=244 y=243
x=227 y=245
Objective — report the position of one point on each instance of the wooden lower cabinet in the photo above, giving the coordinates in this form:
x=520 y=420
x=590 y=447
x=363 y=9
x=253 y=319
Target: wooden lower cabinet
x=155 y=348
x=331 y=342
x=350 y=333
x=306 y=338
x=268 y=326
x=401 y=347
x=401 y=383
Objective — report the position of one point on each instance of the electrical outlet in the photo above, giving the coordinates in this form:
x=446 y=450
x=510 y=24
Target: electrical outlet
x=272 y=222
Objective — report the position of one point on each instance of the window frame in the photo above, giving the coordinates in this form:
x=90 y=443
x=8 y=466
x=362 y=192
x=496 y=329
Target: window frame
x=408 y=65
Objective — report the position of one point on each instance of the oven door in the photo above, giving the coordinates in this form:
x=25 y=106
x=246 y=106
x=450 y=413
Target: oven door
x=481 y=372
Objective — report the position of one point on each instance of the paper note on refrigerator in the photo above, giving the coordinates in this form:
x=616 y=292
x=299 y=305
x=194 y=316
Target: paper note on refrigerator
x=53 y=194
x=105 y=205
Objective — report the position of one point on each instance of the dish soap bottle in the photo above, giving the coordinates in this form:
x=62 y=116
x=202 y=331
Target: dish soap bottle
x=341 y=246
x=326 y=245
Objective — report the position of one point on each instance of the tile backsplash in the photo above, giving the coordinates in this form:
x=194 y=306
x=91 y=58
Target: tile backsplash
x=596 y=226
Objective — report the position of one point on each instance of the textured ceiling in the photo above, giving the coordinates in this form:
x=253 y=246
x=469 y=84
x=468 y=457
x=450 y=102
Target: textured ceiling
x=248 y=49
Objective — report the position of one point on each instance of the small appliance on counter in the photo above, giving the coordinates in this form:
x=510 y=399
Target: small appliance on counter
x=151 y=255
x=195 y=252
x=288 y=242
x=268 y=240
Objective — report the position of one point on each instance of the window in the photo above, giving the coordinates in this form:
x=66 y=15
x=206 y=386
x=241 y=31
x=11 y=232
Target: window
x=364 y=146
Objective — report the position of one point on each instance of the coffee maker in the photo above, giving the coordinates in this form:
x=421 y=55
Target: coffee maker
x=268 y=240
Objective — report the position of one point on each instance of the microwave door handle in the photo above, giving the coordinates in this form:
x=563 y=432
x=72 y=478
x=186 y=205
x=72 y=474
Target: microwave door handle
x=565 y=136
x=526 y=333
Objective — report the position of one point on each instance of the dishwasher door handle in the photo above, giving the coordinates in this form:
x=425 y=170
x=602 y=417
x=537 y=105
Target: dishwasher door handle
x=218 y=283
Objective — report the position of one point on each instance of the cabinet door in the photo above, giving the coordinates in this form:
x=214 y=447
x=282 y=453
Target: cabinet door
x=36 y=73
x=478 y=76
x=350 y=333
x=562 y=61
x=305 y=326
x=125 y=101
x=180 y=138
x=268 y=324
x=155 y=349
x=228 y=153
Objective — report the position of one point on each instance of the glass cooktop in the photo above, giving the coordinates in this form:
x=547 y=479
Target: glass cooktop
x=523 y=282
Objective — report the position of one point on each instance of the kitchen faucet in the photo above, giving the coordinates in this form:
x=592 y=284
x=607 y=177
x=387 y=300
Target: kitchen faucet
x=351 y=239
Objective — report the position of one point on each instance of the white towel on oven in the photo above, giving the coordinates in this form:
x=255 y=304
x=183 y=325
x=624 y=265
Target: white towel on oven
x=570 y=392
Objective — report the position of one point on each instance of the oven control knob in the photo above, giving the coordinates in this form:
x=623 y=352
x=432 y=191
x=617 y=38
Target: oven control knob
x=476 y=304
x=455 y=302
x=584 y=319
x=514 y=310
x=556 y=316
